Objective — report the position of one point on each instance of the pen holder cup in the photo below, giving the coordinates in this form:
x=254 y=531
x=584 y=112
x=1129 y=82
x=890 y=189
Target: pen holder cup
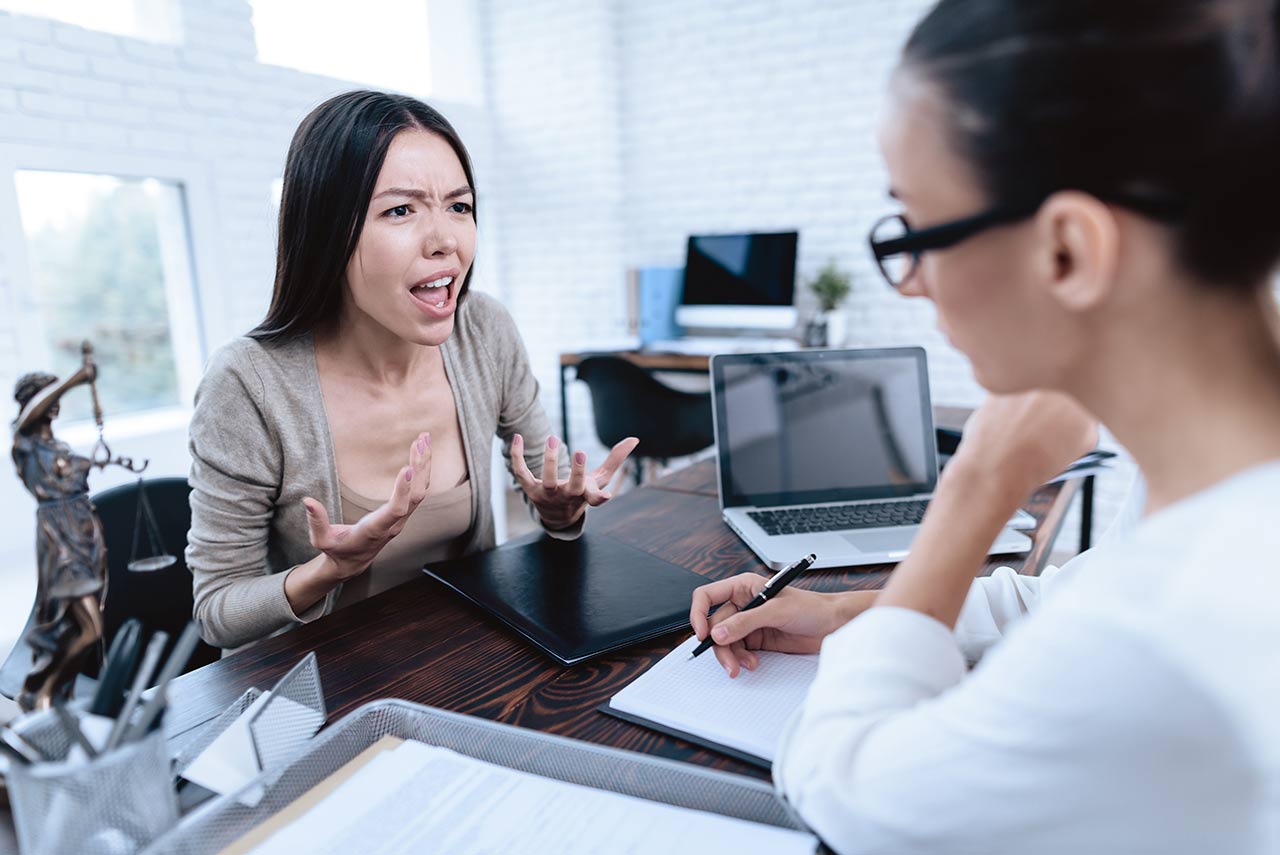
x=113 y=804
x=41 y=730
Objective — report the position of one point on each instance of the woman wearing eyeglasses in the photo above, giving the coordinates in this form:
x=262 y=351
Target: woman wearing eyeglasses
x=1088 y=195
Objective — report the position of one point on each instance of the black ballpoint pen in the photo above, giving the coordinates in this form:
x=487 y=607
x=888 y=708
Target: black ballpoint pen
x=776 y=583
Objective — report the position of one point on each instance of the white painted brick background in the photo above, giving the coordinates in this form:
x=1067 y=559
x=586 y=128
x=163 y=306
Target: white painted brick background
x=608 y=131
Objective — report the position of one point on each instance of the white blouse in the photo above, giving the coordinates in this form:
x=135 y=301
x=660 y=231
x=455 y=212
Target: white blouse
x=1136 y=711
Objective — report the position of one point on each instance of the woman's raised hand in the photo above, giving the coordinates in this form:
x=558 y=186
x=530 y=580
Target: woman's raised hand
x=561 y=502
x=353 y=547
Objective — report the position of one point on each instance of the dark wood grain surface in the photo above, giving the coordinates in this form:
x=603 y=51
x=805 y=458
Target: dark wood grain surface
x=421 y=642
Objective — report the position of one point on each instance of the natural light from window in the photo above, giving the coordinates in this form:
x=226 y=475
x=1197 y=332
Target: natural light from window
x=374 y=42
x=154 y=20
x=109 y=262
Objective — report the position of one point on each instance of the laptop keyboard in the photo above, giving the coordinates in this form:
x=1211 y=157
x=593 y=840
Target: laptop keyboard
x=840 y=517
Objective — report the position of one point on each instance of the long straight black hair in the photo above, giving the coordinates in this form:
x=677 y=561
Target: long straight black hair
x=1176 y=102
x=329 y=176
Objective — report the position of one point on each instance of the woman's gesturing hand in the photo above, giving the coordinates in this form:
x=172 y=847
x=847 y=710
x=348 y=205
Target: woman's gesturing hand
x=561 y=502
x=352 y=548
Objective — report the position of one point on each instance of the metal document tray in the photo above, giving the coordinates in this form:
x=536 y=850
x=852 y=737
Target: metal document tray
x=224 y=820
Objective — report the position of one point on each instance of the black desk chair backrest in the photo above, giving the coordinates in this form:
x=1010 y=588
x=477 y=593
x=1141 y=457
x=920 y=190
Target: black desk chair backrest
x=628 y=401
x=160 y=599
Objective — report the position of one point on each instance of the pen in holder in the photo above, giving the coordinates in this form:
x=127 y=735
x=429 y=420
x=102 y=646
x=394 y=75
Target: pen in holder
x=114 y=803
x=96 y=778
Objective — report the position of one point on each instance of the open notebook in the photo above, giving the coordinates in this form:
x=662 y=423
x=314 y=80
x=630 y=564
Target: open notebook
x=696 y=701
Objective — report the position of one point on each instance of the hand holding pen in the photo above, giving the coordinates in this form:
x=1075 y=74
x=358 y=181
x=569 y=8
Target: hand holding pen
x=789 y=621
x=772 y=587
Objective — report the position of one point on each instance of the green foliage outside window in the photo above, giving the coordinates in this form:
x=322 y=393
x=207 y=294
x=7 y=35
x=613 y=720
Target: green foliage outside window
x=100 y=277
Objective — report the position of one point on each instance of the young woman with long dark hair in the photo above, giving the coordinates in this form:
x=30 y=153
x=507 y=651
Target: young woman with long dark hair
x=375 y=373
x=1088 y=194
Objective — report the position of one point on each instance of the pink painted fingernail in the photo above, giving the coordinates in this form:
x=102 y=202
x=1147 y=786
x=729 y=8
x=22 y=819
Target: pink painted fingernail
x=408 y=475
x=579 y=457
x=428 y=439
x=552 y=442
x=422 y=446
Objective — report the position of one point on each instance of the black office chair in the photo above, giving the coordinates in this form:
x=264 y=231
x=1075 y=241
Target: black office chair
x=628 y=401
x=160 y=598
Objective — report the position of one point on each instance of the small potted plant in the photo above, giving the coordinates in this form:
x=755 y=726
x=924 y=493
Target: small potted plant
x=831 y=286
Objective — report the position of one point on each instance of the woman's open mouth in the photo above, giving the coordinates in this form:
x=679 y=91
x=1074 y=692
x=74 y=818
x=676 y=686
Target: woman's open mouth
x=435 y=296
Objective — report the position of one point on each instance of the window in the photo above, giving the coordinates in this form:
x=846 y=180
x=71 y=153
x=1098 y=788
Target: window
x=109 y=262
x=154 y=20
x=375 y=42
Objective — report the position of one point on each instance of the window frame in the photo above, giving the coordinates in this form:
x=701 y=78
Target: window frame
x=196 y=322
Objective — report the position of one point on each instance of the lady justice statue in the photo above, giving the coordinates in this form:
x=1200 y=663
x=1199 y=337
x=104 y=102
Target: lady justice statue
x=69 y=545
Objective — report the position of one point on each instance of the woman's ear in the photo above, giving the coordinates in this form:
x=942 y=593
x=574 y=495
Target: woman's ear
x=1079 y=244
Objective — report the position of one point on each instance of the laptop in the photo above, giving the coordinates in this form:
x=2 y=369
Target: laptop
x=828 y=451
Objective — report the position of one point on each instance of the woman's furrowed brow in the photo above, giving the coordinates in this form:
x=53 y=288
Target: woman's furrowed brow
x=415 y=193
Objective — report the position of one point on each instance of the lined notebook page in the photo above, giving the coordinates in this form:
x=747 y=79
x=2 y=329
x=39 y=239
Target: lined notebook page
x=746 y=713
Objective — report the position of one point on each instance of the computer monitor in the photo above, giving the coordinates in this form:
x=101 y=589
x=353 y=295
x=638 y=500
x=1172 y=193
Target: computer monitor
x=742 y=281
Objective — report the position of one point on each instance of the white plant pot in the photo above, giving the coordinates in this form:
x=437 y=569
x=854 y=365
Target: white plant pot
x=837 y=327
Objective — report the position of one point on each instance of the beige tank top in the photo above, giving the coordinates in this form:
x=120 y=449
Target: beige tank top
x=436 y=531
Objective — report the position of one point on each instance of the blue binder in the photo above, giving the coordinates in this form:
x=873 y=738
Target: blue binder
x=660 y=291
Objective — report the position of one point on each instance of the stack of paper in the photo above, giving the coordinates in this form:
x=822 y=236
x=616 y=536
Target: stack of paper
x=418 y=798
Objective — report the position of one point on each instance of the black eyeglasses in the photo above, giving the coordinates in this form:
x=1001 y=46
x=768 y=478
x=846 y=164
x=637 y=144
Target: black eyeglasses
x=897 y=247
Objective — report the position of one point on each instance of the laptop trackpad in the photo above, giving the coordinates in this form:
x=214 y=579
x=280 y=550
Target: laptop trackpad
x=882 y=540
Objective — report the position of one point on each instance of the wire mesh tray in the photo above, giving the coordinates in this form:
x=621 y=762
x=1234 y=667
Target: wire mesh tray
x=221 y=822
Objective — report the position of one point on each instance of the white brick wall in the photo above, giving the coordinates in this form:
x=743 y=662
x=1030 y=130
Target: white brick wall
x=554 y=99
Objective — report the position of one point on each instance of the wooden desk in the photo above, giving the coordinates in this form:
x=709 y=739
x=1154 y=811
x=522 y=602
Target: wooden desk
x=423 y=643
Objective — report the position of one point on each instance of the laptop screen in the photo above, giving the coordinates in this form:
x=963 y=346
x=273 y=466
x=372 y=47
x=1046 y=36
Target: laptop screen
x=823 y=426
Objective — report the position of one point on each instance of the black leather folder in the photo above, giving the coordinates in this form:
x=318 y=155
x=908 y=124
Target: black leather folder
x=575 y=599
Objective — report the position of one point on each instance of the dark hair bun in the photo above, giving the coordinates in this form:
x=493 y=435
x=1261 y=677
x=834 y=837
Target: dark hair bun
x=1170 y=107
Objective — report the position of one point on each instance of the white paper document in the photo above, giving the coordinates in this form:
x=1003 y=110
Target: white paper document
x=418 y=798
x=230 y=761
x=746 y=713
